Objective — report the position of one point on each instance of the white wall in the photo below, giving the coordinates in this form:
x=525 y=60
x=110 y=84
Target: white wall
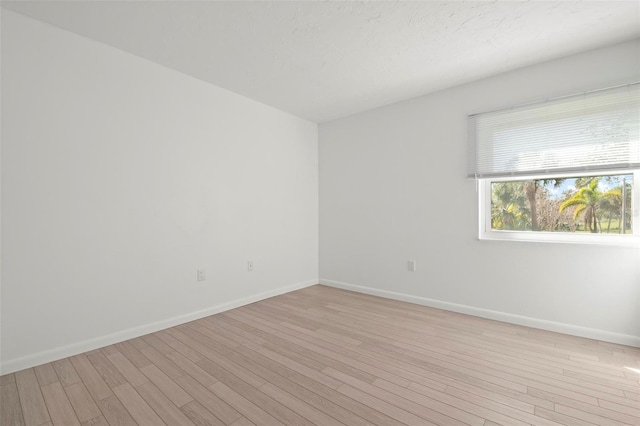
x=393 y=187
x=121 y=178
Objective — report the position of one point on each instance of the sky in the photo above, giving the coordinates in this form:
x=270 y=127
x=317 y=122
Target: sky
x=569 y=184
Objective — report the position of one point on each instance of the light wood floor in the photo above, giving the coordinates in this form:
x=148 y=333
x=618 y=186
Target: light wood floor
x=325 y=356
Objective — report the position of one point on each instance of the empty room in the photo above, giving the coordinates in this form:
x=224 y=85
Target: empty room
x=320 y=213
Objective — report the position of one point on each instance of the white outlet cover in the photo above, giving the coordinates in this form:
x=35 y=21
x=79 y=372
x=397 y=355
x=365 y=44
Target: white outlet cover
x=202 y=275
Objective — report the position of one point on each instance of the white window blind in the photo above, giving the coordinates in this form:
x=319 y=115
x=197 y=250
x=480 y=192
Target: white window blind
x=597 y=130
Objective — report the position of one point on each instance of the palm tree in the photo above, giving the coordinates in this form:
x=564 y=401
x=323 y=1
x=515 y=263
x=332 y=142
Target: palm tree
x=508 y=206
x=612 y=205
x=531 y=188
x=587 y=200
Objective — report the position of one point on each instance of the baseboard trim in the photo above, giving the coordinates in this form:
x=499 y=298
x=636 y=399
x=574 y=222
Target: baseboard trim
x=574 y=330
x=18 y=364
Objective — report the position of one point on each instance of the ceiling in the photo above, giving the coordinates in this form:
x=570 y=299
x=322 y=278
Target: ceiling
x=324 y=60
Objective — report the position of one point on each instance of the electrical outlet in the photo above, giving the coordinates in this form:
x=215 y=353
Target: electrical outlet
x=202 y=275
x=411 y=265
x=250 y=265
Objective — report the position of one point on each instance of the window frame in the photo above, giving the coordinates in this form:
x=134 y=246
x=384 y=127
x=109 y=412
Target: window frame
x=487 y=233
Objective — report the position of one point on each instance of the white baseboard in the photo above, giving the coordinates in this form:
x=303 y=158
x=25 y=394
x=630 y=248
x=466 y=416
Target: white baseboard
x=18 y=364
x=574 y=330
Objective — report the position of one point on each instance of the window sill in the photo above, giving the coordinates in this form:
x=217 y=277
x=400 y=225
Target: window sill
x=631 y=241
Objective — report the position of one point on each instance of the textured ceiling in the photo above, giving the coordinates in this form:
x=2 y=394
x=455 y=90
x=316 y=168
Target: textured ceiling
x=326 y=60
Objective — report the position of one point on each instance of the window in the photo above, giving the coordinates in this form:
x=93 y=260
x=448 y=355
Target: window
x=565 y=170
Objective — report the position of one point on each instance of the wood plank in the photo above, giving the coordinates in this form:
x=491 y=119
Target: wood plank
x=199 y=415
x=136 y=406
x=332 y=355
x=397 y=413
x=588 y=417
x=305 y=410
x=486 y=403
x=433 y=411
x=225 y=324
x=139 y=343
x=314 y=392
x=274 y=408
x=172 y=391
x=66 y=372
x=162 y=405
x=97 y=421
x=115 y=413
x=132 y=354
x=443 y=412
x=630 y=410
x=82 y=402
x=92 y=380
x=45 y=374
x=217 y=354
x=165 y=337
x=611 y=415
x=162 y=362
x=108 y=350
x=248 y=409
x=300 y=368
x=128 y=370
x=60 y=409
x=242 y=422
x=228 y=339
x=209 y=400
x=159 y=345
x=106 y=369
x=559 y=418
x=34 y=408
x=7 y=379
x=190 y=368
x=180 y=347
x=311 y=386
x=10 y=408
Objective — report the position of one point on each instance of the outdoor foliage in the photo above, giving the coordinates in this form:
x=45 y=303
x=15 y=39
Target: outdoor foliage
x=595 y=204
